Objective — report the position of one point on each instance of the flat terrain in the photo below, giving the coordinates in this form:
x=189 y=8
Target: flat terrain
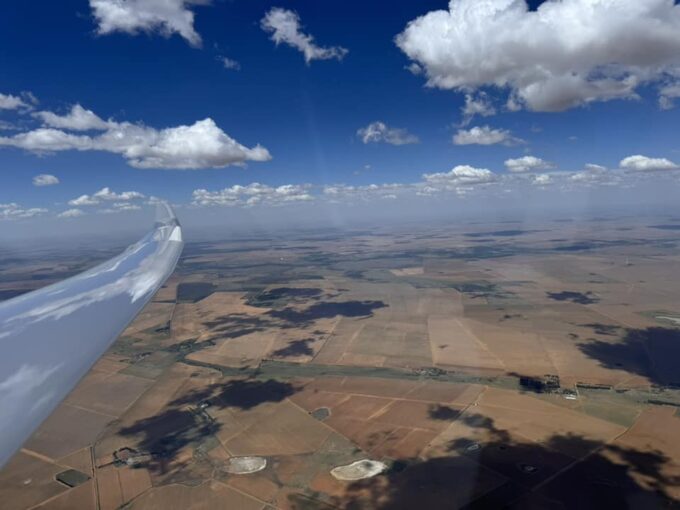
x=488 y=365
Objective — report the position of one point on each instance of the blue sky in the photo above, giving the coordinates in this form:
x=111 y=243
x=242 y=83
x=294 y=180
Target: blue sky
x=307 y=114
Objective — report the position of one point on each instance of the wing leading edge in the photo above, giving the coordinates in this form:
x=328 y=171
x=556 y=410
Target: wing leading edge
x=51 y=337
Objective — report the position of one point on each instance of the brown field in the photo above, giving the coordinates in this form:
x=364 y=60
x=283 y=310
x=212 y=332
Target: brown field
x=27 y=480
x=68 y=429
x=527 y=366
x=213 y=495
x=289 y=431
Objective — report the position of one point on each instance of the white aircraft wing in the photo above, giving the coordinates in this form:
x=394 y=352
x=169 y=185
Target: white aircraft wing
x=51 y=337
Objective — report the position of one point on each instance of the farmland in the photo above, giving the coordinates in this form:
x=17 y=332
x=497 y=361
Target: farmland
x=484 y=364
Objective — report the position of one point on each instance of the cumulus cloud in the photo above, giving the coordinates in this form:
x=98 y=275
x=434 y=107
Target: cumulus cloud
x=380 y=132
x=45 y=140
x=83 y=200
x=542 y=180
x=484 y=135
x=10 y=102
x=253 y=194
x=45 y=180
x=14 y=211
x=461 y=180
x=70 y=213
x=78 y=119
x=165 y=17
x=527 y=164
x=200 y=145
x=564 y=54
x=105 y=195
x=284 y=27
x=639 y=163
x=462 y=175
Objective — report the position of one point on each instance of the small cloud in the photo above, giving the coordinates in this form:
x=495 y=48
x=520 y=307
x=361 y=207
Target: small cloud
x=253 y=194
x=45 y=180
x=414 y=69
x=165 y=17
x=230 y=64
x=542 y=180
x=70 y=213
x=78 y=119
x=105 y=195
x=13 y=211
x=527 y=164
x=284 y=27
x=378 y=131
x=639 y=163
x=595 y=175
x=462 y=174
x=479 y=105
x=83 y=200
x=10 y=102
x=485 y=135
x=592 y=167
x=667 y=96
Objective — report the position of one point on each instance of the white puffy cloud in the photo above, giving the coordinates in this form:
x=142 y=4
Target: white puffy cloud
x=542 y=180
x=45 y=180
x=78 y=119
x=639 y=163
x=462 y=175
x=564 y=54
x=133 y=16
x=230 y=63
x=253 y=194
x=70 y=213
x=461 y=180
x=380 y=132
x=484 y=135
x=284 y=27
x=105 y=195
x=10 y=102
x=527 y=164
x=200 y=145
x=43 y=140
x=594 y=167
x=13 y=211
x=83 y=200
